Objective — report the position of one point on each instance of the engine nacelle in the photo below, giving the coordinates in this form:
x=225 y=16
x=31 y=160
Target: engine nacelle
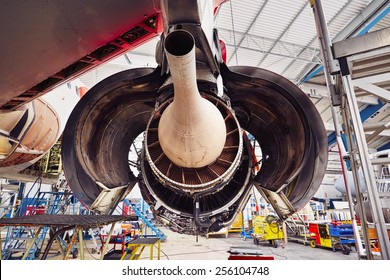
x=197 y=166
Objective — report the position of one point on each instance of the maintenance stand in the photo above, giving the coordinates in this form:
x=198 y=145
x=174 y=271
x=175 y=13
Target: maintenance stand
x=61 y=223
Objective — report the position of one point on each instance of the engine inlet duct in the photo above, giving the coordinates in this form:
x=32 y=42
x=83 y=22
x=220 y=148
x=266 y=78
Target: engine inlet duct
x=196 y=164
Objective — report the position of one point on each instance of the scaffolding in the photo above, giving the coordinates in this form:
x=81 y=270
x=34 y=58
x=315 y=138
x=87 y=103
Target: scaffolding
x=21 y=239
x=147 y=219
x=349 y=64
x=59 y=224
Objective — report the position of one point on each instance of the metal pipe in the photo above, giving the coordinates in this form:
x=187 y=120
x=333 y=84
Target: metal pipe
x=72 y=241
x=198 y=222
x=1 y=245
x=368 y=171
x=359 y=196
x=107 y=240
x=343 y=154
x=12 y=208
x=330 y=64
x=60 y=246
x=93 y=239
x=8 y=198
x=240 y=208
x=81 y=243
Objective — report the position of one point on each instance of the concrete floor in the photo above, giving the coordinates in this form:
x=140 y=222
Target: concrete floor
x=186 y=247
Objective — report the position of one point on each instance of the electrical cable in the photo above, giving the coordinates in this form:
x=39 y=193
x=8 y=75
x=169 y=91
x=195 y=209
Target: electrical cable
x=284 y=257
x=90 y=253
x=162 y=252
x=272 y=252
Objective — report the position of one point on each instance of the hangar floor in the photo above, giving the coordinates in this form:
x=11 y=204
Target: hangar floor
x=186 y=247
x=180 y=247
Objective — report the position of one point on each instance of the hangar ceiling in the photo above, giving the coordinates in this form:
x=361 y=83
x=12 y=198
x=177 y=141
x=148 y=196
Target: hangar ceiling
x=280 y=35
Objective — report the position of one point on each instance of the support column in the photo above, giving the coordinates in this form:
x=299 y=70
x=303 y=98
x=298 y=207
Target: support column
x=343 y=155
x=70 y=245
x=81 y=243
x=359 y=197
x=107 y=241
x=60 y=247
x=368 y=171
x=1 y=245
x=358 y=153
x=32 y=243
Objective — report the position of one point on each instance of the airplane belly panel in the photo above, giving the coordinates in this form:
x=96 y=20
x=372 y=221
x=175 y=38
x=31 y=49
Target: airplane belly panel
x=40 y=38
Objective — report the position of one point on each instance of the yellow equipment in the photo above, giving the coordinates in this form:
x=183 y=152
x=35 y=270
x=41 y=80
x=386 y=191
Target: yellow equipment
x=266 y=228
x=136 y=247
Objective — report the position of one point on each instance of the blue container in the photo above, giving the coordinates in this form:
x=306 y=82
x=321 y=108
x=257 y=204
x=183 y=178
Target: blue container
x=343 y=230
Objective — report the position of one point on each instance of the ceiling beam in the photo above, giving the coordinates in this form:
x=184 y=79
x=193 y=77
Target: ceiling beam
x=275 y=53
x=315 y=90
x=368 y=84
x=377 y=91
x=361 y=24
x=254 y=37
x=373 y=126
x=360 y=20
x=284 y=32
x=371 y=79
x=247 y=30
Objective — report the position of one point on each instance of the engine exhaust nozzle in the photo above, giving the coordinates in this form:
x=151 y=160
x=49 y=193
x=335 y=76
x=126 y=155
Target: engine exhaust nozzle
x=192 y=131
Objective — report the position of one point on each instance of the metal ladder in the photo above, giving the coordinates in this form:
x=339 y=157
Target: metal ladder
x=384 y=181
x=7 y=206
x=148 y=222
x=298 y=231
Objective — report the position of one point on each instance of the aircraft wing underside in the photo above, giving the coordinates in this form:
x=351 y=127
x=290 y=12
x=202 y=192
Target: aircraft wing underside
x=46 y=43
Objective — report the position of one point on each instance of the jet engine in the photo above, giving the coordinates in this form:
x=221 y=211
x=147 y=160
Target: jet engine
x=200 y=120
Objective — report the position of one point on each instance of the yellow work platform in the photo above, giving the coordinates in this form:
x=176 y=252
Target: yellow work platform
x=137 y=246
